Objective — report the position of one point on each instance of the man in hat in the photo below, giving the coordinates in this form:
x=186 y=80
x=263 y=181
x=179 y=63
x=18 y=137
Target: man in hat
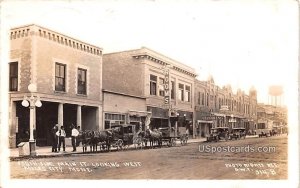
x=74 y=135
x=61 y=138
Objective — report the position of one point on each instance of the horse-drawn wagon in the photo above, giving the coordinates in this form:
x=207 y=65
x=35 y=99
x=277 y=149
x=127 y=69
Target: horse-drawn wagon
x=237 y=133
x=169 y=135
x=125 y=135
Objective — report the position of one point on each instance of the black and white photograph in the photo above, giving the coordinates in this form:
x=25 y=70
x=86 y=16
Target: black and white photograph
x=149 y=93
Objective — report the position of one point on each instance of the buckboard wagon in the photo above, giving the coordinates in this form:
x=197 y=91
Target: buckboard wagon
x=169 y=137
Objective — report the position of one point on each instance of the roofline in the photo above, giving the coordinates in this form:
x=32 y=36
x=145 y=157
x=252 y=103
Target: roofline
x=39 y=26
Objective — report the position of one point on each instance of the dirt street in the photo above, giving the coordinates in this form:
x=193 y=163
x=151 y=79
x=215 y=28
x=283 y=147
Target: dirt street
x=252 y=158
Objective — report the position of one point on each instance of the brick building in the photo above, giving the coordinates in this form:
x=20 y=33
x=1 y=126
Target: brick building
x=68 y=76
x=141 y=76
x=220 y=107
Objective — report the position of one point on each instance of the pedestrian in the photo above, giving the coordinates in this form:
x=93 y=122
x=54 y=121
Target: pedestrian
x=61 y=138
x=74 y=135
x=54 y=138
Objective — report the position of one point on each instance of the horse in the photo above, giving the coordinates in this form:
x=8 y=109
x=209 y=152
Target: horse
x=104 y=139
x=154 y=136
x=92 y=138
x=138 y=139
x=86 y=139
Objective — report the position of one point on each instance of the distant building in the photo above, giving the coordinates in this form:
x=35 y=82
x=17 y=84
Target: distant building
x=220 y=107
x=68 y=76
x=271 y=117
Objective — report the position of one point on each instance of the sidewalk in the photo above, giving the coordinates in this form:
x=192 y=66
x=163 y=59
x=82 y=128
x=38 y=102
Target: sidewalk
x=46 y=151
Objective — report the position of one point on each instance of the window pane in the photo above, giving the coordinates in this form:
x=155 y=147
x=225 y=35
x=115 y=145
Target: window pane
x=152 y=88
x=153 y=78
x=62 y=71
x=13 y=76
x=81 y=81
x=181 y=86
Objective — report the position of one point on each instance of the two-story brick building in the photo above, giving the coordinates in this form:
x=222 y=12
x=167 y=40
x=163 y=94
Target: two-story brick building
x=141 y=76
x=68 y=76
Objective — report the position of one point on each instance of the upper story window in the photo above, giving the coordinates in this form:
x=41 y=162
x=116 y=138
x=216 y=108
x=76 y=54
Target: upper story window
x=180 y=92
x=202 y=98
x=81 y=81
x=60 y=77
x=207 y=99
x=161 y=87
x=172 y=89
x=199 y=98
x=153 y=84
x=187 y=96
x=13 y=76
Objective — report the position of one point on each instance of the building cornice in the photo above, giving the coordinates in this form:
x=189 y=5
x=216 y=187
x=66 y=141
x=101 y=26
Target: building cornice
x=158 y=60
x=30 y=30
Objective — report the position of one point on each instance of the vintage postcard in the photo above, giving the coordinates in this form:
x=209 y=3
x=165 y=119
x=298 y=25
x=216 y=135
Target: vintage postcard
x=157 y=93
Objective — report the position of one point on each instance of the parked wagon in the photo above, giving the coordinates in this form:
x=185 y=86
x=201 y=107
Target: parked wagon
x=218 y=133
x=125 y=135
x=169 y=136
x=237 y=133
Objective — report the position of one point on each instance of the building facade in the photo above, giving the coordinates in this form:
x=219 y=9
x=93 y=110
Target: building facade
x=165 y=85
x=220 y=107
x=271 y=117
x=68 y=77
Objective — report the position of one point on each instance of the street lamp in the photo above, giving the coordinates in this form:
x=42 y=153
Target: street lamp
x=32 y=102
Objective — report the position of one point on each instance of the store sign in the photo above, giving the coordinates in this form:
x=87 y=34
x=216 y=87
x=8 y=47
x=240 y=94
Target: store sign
x=166 y=86
x=211 y=117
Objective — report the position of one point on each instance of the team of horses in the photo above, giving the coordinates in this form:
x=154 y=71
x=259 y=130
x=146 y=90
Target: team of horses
x=106 y=139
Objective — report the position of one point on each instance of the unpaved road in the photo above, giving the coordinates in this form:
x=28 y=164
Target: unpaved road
x=239 y=159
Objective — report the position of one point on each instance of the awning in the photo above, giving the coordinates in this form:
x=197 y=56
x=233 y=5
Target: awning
x=138 y=113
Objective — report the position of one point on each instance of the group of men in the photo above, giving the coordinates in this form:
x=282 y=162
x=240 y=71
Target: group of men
x=59 y=135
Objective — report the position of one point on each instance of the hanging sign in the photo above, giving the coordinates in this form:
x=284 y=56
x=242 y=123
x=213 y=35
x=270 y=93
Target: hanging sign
x=166 y=85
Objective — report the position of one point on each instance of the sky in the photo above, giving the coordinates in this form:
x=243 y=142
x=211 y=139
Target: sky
x=242 y=43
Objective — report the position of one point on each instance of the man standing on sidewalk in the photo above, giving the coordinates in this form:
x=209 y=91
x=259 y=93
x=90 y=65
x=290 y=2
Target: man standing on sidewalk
x=74 y=134
x=54 y=138
x=61 y=138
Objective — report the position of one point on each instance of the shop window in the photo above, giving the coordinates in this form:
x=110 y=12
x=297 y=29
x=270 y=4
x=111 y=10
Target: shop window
x=13 y=76
x=153 y=84
x=60 y=77
x=81 y=81
x=113 y=119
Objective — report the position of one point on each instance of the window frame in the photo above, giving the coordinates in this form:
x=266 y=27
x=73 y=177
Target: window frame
x=153 y=85
x=181 y=92
x=161 y=88
x=187 y=93
x=56 y=87
x=14 y=77
x=85 y=81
